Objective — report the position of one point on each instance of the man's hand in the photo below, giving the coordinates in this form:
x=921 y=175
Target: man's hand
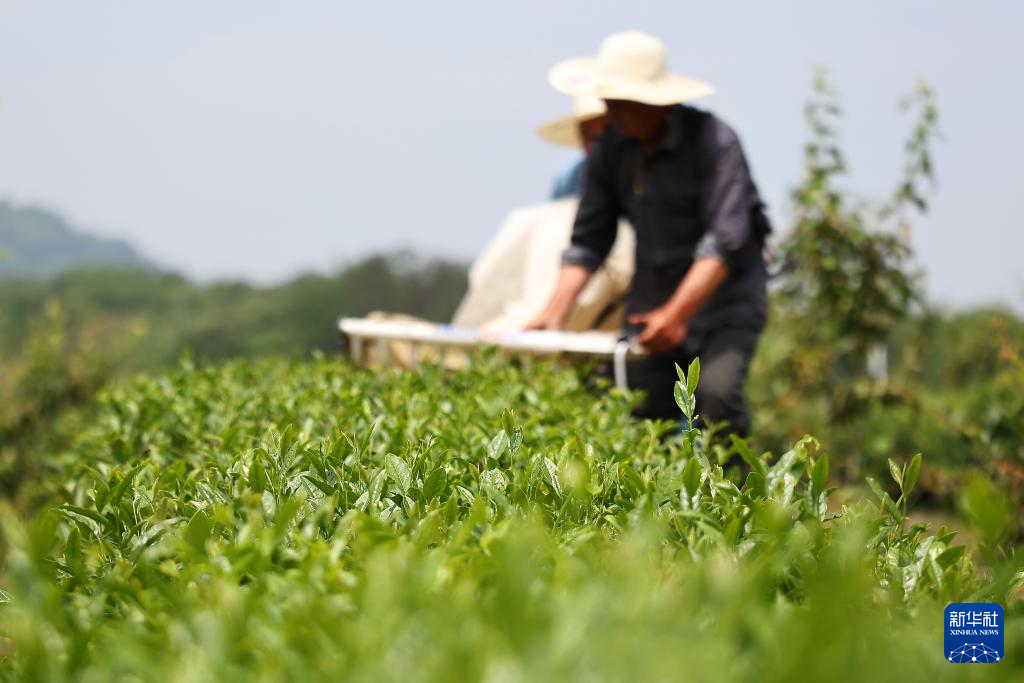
x=543 y=321
x=663 y=330
x=571 y=279
x=665 y=326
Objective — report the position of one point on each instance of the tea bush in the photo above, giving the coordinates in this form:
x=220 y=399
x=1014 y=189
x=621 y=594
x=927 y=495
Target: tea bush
x=278 y=520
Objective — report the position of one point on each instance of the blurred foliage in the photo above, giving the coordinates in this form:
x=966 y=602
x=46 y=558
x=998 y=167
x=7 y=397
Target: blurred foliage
x=44 y=388
x=996 y=410
x=229 y=319
x=844 y=280
x=61 y=340
x=299 y=521
x=853 y=354
x=953 y=393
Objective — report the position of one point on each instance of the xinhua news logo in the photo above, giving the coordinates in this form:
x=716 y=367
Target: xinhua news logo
x=974 y=633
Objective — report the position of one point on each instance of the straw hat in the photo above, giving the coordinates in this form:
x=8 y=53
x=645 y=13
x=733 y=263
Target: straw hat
x=565 y=131
x=630 y=66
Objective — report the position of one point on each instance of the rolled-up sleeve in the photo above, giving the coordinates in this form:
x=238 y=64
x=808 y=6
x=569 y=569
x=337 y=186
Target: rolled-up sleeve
x=730 y=198
x=597 y=218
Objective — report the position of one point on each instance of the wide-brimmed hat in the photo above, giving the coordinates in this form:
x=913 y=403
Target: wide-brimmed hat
x=629 y=66
x=565 y=131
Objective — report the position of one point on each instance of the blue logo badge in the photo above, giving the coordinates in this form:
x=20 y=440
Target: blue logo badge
x=974 y=633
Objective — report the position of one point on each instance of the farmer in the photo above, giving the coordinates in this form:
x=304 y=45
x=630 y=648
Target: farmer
x=679 y=175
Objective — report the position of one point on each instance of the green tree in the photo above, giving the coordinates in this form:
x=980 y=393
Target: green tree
x=846 y=277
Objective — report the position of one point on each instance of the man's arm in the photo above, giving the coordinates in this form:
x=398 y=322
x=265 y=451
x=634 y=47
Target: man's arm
x=665 y=326
x=571 y=280
x=593 y=235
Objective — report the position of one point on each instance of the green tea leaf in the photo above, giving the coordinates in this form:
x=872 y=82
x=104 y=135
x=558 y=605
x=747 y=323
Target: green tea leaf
x=101 y=495
x=508 y=422
x=746 y=453
x=73 y=546
x=376 y=487
x=320 y=484
x=682 y=400
x=198 y=530
x=398 y=471
x=516 y=441
x=896 y=473
x=691 y=476
x=875 y=488
x=258 y=479
x=551 y=476
x=756 y=485
x=497 y=445
x=493 y=478
x=819 y=474
x=122 y=486
x=949 y=557
x=632 y=481
x=693 y=377
x=287 y=440
x=434 y=484
x=910 y=477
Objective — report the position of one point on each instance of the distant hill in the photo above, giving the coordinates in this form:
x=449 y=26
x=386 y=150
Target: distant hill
x=108 y=309
x=37 y=242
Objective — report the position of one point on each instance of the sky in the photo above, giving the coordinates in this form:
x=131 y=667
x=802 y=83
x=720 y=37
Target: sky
x=250 y=139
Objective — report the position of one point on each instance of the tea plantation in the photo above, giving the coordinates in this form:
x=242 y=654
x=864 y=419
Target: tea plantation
x=292 y=521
